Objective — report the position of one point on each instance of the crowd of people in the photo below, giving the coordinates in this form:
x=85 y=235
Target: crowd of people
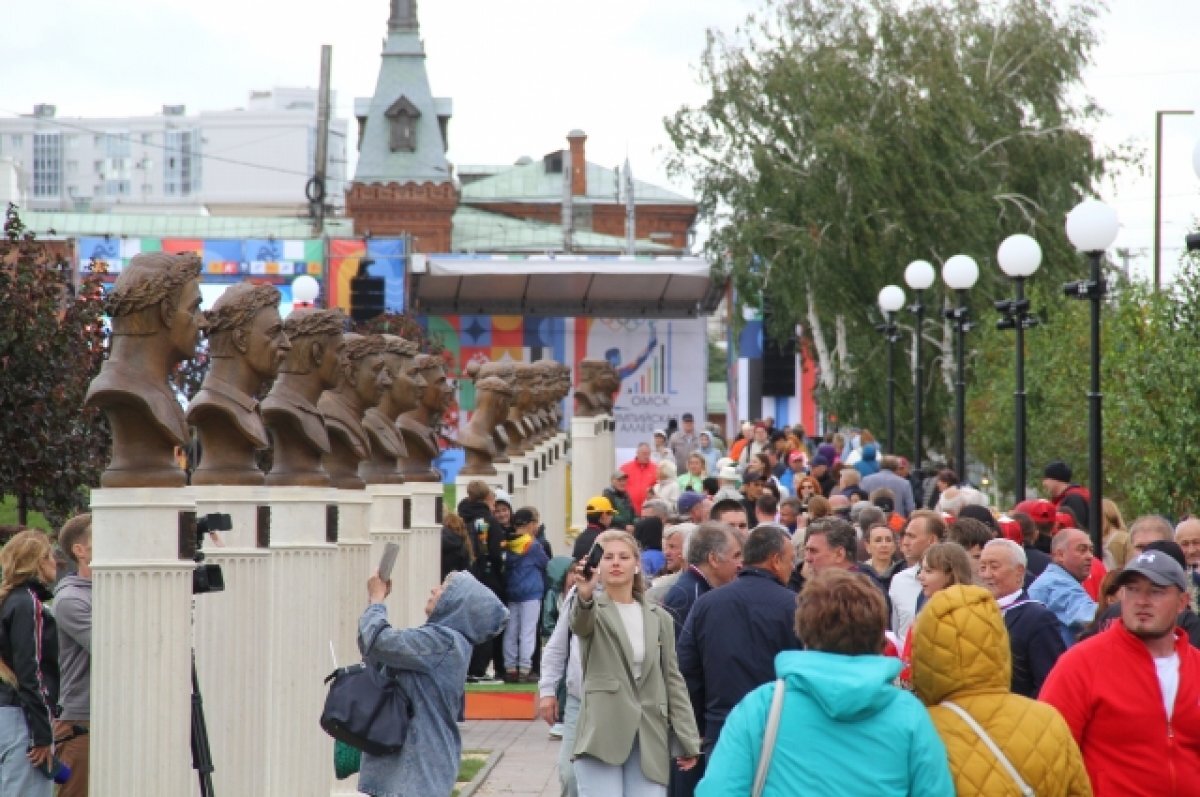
x=729 y=618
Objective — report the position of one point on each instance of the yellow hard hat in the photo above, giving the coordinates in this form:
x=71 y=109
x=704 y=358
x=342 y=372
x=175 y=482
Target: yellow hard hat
x=599 y=504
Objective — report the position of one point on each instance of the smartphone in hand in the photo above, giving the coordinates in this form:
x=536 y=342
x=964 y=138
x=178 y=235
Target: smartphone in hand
x=388 y=561
x=593 y=560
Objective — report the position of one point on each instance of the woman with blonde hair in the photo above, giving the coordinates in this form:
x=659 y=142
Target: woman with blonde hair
x=697 y=471
x=633 y=693
x=945 y=564
x=28 y=664
x=1117 y=550
x=667 y=487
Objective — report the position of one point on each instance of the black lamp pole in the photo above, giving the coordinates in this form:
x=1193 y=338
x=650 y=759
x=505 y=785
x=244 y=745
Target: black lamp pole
x=960 y=316
x=888 y=328
x=1018 y=318
x=918 y=309
x=1093 y=290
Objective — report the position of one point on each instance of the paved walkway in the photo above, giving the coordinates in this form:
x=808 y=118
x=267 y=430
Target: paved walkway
x=529 y=765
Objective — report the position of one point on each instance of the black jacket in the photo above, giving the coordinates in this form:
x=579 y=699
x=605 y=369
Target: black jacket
x=487 y=540
x=585 y=541
x=456 y=552
x=29 y=646
x=728 y=645
x=1036 y=642
x=682 y=596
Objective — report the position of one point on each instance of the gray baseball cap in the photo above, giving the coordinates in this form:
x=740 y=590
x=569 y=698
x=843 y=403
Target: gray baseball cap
x=1157 y=566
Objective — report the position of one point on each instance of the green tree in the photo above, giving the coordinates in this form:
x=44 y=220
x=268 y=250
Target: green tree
x=842 y=140
x=51 y=346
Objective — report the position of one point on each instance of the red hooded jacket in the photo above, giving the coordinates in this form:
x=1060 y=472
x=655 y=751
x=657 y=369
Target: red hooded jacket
x=1107 y=689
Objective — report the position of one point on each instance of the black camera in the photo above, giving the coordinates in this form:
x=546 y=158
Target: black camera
x=208 y=577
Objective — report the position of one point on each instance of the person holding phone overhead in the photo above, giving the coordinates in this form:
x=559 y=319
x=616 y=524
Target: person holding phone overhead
x=634 y=696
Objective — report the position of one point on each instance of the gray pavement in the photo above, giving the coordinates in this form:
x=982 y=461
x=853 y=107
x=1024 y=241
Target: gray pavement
x=528 y=766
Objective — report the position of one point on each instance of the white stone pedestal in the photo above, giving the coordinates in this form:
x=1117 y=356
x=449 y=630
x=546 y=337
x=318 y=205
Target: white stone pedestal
x=556 y=497
x=303 y=589
x=230 y=633
x=390 y=520
x=354 y=566
x=522 y=473
x=591 y=464
x=424 y=566
x=141 y=653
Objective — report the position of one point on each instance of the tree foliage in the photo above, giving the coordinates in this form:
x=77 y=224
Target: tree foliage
x=843 y=140
x=51 y=346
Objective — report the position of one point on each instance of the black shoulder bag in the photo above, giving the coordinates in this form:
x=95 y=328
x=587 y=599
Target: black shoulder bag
x=367 y=709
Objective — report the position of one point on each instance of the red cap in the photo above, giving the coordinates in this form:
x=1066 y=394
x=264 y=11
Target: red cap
x=1064 y=520
x=1010 y=529
x=1040 y=510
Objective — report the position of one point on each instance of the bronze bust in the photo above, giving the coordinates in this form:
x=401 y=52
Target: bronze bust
x=505 y=370
x=156 y=324
x=387 y=446
x=598 y=380
x=246 y=346
x=492 y=398
x=362 y=381
x=290 y=410
x=418 y=427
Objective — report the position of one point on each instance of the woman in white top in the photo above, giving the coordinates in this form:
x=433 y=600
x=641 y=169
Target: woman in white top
x=633 y=693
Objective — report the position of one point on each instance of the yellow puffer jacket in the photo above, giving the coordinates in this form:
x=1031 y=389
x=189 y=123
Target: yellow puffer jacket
x=961 y=653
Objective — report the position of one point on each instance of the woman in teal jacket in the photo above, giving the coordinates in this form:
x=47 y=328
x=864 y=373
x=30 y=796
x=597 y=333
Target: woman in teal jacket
x=845 y=729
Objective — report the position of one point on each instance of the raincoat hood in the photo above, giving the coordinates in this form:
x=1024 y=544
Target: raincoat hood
x=845 y=688
x=960 y=646
x=469 y=608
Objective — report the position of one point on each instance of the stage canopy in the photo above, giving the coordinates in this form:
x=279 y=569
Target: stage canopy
x=563 y=285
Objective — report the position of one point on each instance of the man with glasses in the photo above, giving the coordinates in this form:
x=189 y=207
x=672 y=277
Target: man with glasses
x=1131 y=694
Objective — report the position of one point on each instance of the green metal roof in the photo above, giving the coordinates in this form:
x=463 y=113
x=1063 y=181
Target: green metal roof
x=477 y=230
x=531 y=183
x=53 y=223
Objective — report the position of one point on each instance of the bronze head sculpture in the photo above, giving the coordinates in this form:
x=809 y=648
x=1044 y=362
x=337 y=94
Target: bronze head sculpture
x=506 y=370
x=598 y=381
x=492 y=398
x=156 y=324
x=246 y=346
x=312 y=365
x=363 y=380
x=418 y=426
x=387 y=446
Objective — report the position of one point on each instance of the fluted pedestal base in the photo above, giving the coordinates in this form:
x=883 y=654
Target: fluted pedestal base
x=141 y=653
x=423 y=567
x=229 y=634
x=591 y=464
x=302 y=596
x=391 y=509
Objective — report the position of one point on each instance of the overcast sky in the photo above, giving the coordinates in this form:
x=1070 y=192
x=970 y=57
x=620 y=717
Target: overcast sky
x=522 y=73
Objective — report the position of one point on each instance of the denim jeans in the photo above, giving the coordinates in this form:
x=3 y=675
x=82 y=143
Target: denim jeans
x=566 y=772
x=598 y=779
x=17 y=775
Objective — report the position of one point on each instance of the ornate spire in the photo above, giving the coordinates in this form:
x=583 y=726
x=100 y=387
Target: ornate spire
x=404 y=16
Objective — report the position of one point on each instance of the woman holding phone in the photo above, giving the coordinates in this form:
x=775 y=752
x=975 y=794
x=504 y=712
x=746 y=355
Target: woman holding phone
x=634 y=696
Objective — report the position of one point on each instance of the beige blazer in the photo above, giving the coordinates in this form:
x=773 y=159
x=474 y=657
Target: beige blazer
x=617 y=708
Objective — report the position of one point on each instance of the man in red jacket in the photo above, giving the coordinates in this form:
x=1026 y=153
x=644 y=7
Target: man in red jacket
x=1131 y=694
x=642 y=475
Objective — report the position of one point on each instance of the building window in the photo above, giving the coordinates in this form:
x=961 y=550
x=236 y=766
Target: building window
x=181 y=163
x=47 y=164
x=18 y=141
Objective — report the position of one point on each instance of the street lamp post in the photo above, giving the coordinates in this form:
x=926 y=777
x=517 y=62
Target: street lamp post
x=1019 y=257
x=919 y=275
x=891 y=299
x=305 y=290
x=960 y=273
x=1092 y=228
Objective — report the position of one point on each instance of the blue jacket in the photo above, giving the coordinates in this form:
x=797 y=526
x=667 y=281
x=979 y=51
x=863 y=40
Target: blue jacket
x=430 y=662
x=1061 y=593
x=1036 y=643
x=682 y=596
x=729 y=642
x=845 y=730
x=525 y=574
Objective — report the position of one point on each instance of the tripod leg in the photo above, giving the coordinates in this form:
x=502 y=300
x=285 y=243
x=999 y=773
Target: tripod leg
x=201 y=753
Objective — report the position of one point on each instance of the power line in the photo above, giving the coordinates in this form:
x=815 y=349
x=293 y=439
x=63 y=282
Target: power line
x=129 y=137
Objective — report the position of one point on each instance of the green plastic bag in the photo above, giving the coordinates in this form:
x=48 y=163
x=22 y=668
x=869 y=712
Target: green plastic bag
x=346 y=759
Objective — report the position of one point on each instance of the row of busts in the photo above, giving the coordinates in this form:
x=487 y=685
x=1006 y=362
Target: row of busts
x=343 y=409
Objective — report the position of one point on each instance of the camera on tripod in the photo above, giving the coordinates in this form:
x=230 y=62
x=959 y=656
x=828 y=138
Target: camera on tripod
x=208 y=577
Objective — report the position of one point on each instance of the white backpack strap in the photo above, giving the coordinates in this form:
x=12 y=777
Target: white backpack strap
x=1024 y=787
x=769 y=734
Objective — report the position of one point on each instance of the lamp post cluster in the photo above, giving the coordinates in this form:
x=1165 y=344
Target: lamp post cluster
x=1091 y=228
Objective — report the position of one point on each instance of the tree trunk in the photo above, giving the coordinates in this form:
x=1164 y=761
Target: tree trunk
x=828 y=370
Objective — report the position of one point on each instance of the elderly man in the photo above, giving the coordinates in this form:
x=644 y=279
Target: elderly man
x=684 y=442
x=1033 y=633
x=732 y=635
x=642 y=475
x=1187 y=535
x=714 y=557
x=675 y=539
x=1060 y=586
x=1131 y=694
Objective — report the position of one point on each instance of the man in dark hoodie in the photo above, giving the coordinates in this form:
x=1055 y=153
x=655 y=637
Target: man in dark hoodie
x=487 y=541
x=73 y=609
